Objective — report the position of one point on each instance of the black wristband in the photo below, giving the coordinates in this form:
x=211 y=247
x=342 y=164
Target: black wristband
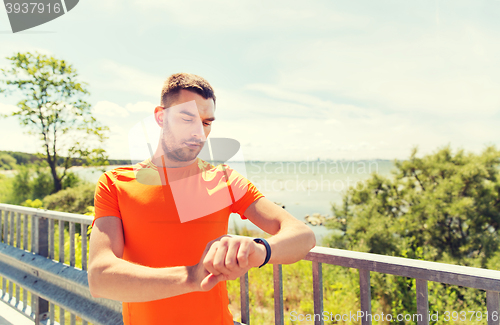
x=268 y=249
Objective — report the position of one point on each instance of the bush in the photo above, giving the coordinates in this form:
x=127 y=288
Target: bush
x=21 y=189
x=5 y=189
x=32 y=183
x=32 y=204
x=73 y=200
x=71 y=180
x=42 y=184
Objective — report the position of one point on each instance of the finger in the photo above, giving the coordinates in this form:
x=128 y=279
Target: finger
x=208 y=261
x=210 y=281
x=243 y=253
x=219 y=261
x=231 y=260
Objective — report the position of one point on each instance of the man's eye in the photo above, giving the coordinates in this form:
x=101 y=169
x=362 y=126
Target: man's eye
x=187 y=120
x=207 y=123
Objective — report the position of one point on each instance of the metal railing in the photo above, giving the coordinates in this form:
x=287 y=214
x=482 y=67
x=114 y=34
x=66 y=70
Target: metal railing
x=27 y=248
x=51 y=282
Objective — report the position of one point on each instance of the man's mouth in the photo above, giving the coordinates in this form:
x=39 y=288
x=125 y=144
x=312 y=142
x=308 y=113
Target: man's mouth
x=193 y=145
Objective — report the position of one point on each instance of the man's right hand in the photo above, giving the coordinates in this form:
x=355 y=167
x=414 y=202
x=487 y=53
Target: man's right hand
x=198 y=275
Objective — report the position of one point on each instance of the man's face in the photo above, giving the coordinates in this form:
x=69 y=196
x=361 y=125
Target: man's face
x=186 y=126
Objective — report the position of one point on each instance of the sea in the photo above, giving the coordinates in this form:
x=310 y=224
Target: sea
x=302 y=187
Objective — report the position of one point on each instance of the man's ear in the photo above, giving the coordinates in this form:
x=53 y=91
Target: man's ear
x=159 y=115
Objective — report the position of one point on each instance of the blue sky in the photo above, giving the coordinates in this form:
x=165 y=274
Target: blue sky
x=294 y=80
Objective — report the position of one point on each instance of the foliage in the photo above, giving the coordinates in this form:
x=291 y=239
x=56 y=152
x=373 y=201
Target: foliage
x=5 y=188
x=7 y=162
x=33 y=203
x=52 y=107
x=73 y=199
x=32 y=184
x=71 y=180
x=442 y=207
x=42 y=184
x=21 y=189
x=23 y=158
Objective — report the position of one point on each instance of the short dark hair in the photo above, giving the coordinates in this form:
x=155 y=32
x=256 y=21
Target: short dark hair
x=188 y=81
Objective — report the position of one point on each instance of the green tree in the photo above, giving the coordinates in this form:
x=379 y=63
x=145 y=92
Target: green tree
x=442 y=207
x=52 y=107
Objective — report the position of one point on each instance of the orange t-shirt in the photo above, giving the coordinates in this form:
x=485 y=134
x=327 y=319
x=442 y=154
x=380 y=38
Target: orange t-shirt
x=169 y=215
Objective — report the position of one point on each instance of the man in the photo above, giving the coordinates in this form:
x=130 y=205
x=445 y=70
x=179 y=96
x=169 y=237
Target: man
x=159 y=241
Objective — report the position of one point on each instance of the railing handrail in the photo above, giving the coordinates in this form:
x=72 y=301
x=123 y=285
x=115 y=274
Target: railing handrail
x=49 y=214
x=473 y=277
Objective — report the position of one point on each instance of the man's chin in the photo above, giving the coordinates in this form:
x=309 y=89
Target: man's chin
x=184 y=155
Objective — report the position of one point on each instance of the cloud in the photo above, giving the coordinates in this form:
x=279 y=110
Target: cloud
x=141 y=107
x=110 y=109
x=271 y=132
x=257 y=15
x=400 y=72
x=128 y=79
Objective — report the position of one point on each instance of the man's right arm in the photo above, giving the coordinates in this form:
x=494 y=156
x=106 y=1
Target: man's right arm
x=112 y=277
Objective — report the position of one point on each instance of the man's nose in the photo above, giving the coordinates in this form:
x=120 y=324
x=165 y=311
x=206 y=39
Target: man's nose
x=198 y=132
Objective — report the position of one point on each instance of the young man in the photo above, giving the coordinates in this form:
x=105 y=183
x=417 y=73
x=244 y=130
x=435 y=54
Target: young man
x=159 y=241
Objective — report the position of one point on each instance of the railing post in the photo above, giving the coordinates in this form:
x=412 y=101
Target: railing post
x=61 y=241
x=51 y=239
x=245 y=300
x=278 y=294
x=72 y=244
x=493 y=307
x=422 y=302
x=25 y=233
x=317 y=270
x=5 y=225
x=83 y=231
x=18 y=230
x=42 y=229
x=365 y=296
x=12 y=219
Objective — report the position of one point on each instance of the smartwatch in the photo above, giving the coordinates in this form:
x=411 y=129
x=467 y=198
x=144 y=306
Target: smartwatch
x=268 y=249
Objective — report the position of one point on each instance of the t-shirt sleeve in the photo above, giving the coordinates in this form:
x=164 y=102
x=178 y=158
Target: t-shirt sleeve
x=106 y=198
x=250 y=197
x=243 y=192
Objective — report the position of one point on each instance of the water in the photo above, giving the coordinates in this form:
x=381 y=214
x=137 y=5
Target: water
x=302 y=187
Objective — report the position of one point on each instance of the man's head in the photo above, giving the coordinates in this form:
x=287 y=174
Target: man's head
x=186 y=115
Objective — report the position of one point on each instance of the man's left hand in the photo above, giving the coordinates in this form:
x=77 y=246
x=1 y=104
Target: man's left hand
x=233 y=256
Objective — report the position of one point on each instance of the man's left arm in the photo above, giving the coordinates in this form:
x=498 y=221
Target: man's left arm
x=291 y=240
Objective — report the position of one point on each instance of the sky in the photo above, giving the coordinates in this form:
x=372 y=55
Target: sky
x=294 y=80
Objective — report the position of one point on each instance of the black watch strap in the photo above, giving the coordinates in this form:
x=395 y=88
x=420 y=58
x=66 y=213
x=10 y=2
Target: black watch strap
x=268 y=249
